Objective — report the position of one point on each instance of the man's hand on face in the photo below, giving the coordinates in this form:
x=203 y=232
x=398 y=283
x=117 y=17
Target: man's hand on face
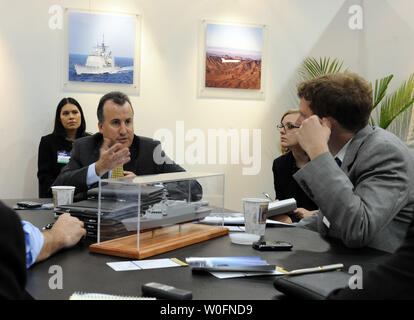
x=313 y=136
x=111 y=157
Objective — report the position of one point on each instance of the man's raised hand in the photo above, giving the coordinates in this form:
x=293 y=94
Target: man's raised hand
x=111 y=157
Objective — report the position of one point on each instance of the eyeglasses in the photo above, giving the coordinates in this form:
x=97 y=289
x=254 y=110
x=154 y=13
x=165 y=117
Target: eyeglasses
x=287 y=127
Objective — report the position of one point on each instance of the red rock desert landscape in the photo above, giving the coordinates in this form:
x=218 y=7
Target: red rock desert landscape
x=232 y=72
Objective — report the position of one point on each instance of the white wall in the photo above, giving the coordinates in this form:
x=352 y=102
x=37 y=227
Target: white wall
x=388 y=41
x=30 y=82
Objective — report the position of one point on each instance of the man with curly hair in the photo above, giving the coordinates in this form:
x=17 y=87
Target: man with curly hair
x=361 y=177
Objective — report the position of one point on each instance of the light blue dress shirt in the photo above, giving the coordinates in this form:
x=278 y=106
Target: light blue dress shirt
x=92 y=177
x=34 y=242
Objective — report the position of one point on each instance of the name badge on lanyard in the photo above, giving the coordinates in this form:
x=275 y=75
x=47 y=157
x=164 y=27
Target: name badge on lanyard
x=63 y=157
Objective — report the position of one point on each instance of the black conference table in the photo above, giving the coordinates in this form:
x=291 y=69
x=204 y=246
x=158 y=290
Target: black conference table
x=88 y=272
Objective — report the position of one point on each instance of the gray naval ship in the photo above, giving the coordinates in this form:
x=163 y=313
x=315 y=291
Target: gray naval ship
x=168 y=212
x=100 y=61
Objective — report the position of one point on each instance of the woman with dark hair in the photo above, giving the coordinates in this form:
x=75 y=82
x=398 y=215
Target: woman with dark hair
x=55 y=148
x=292 y=159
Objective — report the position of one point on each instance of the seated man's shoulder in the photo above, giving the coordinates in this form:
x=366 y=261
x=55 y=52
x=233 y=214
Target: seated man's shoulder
x=89 y=139
x=382 y=148
x=6 y=210
x=9 y=219
x=381 y=139
x=146 y=141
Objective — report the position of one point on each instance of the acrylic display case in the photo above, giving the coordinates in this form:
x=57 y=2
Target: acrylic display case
x=148 y=215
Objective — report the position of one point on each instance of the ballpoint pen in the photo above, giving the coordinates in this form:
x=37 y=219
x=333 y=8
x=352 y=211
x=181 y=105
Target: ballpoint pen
x=48 y=226
x=267 y=196
x=337 y=266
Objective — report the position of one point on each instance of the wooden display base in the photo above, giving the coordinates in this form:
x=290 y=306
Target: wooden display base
x=158 y=241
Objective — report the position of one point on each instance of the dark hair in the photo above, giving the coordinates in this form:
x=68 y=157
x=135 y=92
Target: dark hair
x=117 y=97
x=59 y=129
x=346 y=97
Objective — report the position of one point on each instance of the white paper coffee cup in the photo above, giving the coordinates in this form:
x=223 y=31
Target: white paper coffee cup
x=255 y=210
x=62 y=195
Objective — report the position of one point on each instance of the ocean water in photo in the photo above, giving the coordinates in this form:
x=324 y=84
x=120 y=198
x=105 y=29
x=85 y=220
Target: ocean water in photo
x=126 y=75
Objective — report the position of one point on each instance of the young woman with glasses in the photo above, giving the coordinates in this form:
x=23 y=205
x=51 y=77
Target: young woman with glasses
x=284 y=167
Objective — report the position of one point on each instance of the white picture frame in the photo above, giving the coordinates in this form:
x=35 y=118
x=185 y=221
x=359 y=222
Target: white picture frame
x=226 y=91
x=83 y=28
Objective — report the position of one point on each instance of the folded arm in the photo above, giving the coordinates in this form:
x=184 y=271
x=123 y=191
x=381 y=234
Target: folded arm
x=356 y=213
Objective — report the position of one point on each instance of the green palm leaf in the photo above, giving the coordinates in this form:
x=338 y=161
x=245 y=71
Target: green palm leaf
x=312 y=68
x=380 y=90
x=397 y=103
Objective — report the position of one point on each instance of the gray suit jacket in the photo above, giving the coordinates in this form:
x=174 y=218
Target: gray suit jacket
x=370 y=199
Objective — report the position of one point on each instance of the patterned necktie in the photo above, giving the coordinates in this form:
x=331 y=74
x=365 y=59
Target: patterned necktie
x=338 y=161
x=118 y=172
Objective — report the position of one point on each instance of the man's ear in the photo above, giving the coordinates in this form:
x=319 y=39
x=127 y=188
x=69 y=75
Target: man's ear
x=299 y=120
x=328 y=121
x=100 y=127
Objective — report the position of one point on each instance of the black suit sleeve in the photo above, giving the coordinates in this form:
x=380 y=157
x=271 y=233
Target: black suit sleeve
x=391 y=280
x=75 y=172
x=276 y=180
x=12 y=255
x=45 y=163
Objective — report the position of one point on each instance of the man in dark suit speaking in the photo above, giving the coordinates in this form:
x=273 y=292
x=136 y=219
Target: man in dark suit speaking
x=115 y=148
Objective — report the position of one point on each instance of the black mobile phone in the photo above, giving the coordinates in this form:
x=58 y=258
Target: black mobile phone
x=29 y=204
x=164 y=291
x=272 y=245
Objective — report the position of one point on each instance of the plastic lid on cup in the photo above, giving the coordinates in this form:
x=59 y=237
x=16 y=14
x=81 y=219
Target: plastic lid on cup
x=257 y=200
x=244 y=238
x=63 y=188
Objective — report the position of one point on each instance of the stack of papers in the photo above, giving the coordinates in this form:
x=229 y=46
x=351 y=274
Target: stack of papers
x=146 y=264
x=217 y=262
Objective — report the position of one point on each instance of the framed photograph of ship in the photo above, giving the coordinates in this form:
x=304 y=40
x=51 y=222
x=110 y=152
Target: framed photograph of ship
x=101 y=51
x=231 y=60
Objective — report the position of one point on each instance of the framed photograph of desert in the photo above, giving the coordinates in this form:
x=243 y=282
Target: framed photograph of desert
x=232 y=60
x=101 y=51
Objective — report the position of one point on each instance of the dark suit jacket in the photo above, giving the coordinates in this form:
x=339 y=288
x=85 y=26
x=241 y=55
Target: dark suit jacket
x=86 y=151
x=48 y=167
x=12 y=255
x=284 y=167
x=393 y=279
